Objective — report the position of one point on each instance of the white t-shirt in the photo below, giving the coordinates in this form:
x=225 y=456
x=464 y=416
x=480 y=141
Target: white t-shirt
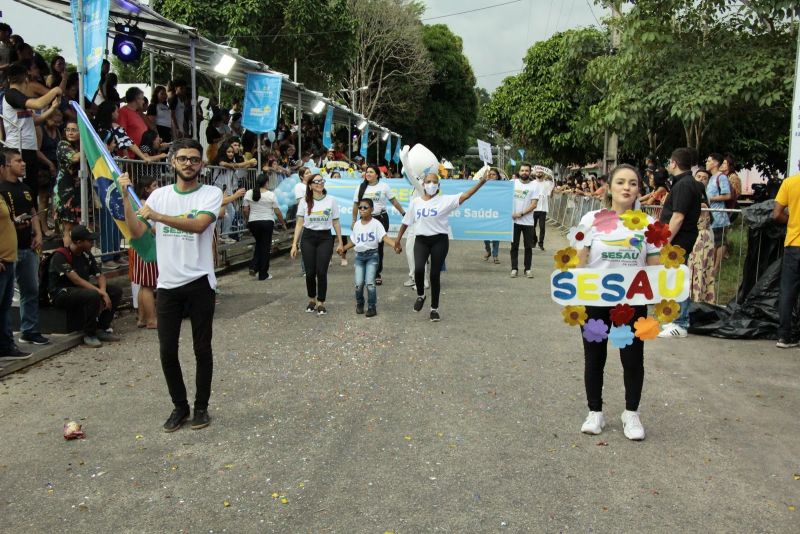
x=545 y=188
x=18 y=121
x=380 y=194
x=620 y=248
x=163 y=115
x=184 y=257
x=264 y=208
x=367 y=236
x=431 y=217
x=322 y=215
x=299 y=191
x=524 y=194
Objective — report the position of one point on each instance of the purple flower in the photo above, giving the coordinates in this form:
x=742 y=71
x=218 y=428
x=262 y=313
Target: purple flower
x=595 y=331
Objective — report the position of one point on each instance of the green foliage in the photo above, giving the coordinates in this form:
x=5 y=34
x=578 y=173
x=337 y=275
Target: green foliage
x=49 y=52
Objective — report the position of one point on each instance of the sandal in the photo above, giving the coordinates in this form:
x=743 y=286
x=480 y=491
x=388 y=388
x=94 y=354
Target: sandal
x=486 y=256
x=496 y=260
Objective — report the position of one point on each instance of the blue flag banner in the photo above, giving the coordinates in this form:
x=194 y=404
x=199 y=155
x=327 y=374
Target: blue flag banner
x=327 y=137
x=262 y=97
x=388 y=154
x=396 y=157
x=487 y=215
x=95 y=26
x=364 y=142
x=512 y=162
x=521 y=153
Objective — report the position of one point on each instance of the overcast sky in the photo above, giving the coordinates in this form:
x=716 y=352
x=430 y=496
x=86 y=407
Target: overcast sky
x=495 y=39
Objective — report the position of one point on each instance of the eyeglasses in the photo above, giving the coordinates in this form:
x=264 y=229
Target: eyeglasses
x=363 y=208
x=194 y=160
x=71 y=130
x=318 y=181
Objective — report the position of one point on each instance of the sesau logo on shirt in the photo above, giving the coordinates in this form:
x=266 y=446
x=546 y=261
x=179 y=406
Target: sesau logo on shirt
x=631 y=248
x=320 y=216
x=520 y=194
x=170 y=231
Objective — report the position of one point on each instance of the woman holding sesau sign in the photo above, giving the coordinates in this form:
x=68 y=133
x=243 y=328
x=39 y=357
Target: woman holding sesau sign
x=615 y=246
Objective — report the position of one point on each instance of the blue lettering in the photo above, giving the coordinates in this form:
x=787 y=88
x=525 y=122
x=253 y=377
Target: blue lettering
x=427 y=212
x=564 y=289
x=617 y=291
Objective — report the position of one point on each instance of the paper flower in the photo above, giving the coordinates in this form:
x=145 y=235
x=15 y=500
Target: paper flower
x=566 y=258
x=621 y=336
x=672 y=256
x=580 y=237
x=634 y=219
x=574 y=315
x=595 y=331
x=621 y=314
x=667 y=310
x=657 y=234
x=646 y=328
x=605 y=221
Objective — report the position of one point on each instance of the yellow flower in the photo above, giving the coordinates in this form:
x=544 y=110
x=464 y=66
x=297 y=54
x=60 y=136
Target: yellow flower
x=667 y=310
x=646 y=328
x=672 y=256
x=566 y=258
x=634 y=219
x=574 y=315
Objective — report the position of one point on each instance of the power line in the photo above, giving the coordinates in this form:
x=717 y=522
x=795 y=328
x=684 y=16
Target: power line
x=498 y=73
x=472 y=10
x=592 y=11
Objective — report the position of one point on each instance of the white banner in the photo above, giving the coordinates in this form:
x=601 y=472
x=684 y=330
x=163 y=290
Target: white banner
x=794 y=141
x=485 y=152
x=629 y=285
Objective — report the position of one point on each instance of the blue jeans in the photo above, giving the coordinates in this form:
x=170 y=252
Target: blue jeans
x=110 y=236
x=27 y=275
x=366 y=269
x=790 y=287
x=683 y=316
x=495 y=247
x=6 y=297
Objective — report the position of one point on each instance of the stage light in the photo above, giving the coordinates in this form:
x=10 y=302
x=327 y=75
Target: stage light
x=318 y=106
x=225 y=64
x=362 y=124
x=128 y=43
x=385 y=136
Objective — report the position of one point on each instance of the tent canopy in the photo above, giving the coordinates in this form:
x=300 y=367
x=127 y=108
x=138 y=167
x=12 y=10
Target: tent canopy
x=173 y=40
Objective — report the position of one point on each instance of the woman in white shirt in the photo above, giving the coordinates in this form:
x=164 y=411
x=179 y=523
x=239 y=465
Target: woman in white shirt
x=260 y=209
x=317 y=213
x=381 y=194
x=620 y=248
x=429 y=214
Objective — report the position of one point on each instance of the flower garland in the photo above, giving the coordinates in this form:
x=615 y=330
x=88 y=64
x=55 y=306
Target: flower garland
x=621 y=332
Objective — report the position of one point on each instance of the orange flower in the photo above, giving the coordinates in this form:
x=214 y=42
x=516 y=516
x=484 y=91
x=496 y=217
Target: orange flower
x=672 y=256
x=566 y=258
x=574 y=315
x=646 y=328
x=667 y=310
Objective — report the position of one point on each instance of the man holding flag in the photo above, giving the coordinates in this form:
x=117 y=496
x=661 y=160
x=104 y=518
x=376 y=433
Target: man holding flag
x=183 y=216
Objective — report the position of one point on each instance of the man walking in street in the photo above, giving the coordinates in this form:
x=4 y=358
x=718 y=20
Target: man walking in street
x=525 y=200
x=681 y=212
x=789 y=197
x=183 y=216
x=21 y=203
x=544 y=180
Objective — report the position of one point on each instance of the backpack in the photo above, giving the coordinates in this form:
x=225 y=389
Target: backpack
x=731 y=203
x=44 y=274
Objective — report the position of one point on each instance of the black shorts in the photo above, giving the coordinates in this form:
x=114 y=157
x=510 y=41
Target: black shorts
x=719 y=240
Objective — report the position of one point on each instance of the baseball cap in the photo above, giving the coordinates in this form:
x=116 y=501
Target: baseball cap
x=81 y=233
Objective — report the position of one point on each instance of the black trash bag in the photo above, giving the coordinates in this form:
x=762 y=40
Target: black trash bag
x=764 y=244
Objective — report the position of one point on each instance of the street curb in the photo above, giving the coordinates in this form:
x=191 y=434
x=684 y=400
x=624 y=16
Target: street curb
x=65 y=343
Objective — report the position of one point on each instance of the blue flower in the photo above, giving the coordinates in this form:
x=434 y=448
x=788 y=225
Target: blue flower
x=621 y=336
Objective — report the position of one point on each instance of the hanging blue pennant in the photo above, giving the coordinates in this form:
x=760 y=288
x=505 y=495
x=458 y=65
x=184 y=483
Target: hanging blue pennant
x=521 y=153
x=396 y=157
x=512 y=162
x=95 y=26
x=388 y=154
x=262 y=102
x=327 y=136
x=364 y=142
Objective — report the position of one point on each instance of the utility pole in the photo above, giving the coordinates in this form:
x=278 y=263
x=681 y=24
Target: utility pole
x=794 y=131
x=611 y=143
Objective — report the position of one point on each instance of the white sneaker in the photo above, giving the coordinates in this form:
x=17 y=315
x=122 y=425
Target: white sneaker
x=594 y=423
x=513 y=273
x=529 y=274
x=427 y=283
x=344 y=262
x=632 y=425
x=409 y=283
x=673 y=330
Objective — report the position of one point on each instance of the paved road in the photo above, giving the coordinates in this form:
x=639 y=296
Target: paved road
x=397 y=424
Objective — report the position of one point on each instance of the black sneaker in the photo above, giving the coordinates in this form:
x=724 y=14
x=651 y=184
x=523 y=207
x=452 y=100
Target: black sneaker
x=36 y=339
x=541 y=246
x=321 y=310
x=200 y=420
x=311 y=307
x=176 y=419
x=15 y=354
x=435 y=316
x=786 y=343
x=371 y=312
x=378 y=280
x=359 y=309
x=419 y=303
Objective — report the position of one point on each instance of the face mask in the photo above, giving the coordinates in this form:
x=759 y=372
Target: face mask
x=431 y=188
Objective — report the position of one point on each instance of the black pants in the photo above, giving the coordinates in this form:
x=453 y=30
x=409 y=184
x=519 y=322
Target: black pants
x=529 y=238
x=31 y=179
x=165 y=133
x=317 y=250
x=434 y=247
x=632 y=358
x=540 y=219
x=262 y=233
x=197 y=298
x=383 y=218
x=88 y=302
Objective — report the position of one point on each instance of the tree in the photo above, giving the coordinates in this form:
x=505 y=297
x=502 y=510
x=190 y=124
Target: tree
x=449 y=109
x=49 y=52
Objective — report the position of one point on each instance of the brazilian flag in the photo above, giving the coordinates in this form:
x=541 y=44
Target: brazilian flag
x=105 y=173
